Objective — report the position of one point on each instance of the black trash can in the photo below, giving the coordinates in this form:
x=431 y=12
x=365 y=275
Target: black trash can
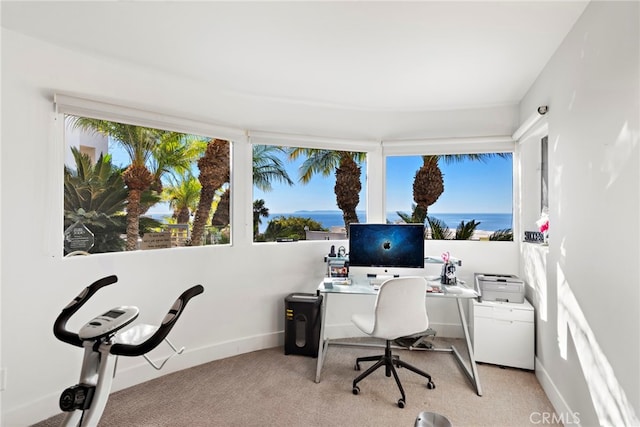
x=302 y=324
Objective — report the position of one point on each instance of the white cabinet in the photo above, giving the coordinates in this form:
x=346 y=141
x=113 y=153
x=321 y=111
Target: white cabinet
x=503 y=333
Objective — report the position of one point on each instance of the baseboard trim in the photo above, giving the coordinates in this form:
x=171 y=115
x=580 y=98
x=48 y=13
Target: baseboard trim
x=555 y=397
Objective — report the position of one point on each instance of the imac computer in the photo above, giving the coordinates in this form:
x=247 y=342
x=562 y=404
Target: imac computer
x=386 y=250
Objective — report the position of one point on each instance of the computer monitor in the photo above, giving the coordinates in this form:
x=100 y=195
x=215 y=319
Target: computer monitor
x=386 y=248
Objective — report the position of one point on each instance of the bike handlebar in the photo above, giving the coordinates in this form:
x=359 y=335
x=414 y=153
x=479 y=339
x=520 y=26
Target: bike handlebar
x=61 y=332
x=167 y=323
x=60 y=325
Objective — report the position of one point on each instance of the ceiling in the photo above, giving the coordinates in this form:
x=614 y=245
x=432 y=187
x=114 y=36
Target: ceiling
x=384 y=56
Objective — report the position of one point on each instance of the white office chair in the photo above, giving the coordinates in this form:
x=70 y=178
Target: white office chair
x=399 y=311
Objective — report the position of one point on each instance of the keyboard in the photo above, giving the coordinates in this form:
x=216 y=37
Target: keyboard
x=376 y=282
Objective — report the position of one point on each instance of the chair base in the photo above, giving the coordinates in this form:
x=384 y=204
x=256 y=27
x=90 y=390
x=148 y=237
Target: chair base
x=390 y=362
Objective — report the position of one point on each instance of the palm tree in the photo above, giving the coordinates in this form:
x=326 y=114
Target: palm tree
x=183 y=195
x=152 y=153
x=347 y=170
x=96 y=196
x=139 y=143
x=173 y=157
x=214 y=172
x=259 y=211
x=428 y=183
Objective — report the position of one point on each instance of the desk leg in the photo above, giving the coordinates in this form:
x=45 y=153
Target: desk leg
x=473 y=372
x=323 y=345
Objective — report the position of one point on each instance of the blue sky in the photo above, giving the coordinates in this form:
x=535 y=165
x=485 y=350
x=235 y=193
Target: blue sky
x=470 y=187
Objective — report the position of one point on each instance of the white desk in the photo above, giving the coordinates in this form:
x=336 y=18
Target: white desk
x=361 y=286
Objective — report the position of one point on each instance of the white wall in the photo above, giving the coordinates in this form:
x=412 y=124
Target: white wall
x=245 y=285
x=588 y=343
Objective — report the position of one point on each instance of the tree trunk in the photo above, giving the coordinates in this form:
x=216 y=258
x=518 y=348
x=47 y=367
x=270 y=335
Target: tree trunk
x=137 y=178
x=347 y=189
x=428 y=185
x=221 y=215
x=214 y=172
x=183 y=216
x=133 y=219
x=202 y=214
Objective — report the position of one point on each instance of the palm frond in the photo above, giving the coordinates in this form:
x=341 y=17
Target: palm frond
x=269 y=167
x=439 y=229
x=465 y=231
x=478 y=157
x=504 y=234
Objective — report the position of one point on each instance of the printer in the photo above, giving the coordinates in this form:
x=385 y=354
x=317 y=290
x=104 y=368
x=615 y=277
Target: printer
x=499 y=287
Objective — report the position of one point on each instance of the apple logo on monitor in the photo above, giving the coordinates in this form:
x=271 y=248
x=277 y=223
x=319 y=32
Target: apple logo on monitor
x=386 y=245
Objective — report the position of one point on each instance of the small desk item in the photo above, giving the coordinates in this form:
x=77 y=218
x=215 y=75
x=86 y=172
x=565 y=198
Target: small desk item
x=361 y=286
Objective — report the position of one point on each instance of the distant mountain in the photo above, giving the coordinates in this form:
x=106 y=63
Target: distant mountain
x=323 y=211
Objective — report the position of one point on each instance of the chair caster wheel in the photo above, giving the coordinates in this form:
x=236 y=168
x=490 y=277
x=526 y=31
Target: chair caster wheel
x=357 y=367
x=431 y=385
x=356 y=390
x=401 y=403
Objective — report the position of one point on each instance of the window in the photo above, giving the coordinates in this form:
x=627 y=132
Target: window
x=457 y=196
x=302 y=193
x=145 y=188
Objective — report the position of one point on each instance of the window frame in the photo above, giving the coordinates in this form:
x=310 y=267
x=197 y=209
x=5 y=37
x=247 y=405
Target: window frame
x=65 y=104
x=469 y=145
x=369 y=147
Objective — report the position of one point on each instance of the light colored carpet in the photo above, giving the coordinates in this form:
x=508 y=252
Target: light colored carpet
x=267 y=388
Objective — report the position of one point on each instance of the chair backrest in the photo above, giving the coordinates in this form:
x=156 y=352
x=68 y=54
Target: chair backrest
x=400 y=308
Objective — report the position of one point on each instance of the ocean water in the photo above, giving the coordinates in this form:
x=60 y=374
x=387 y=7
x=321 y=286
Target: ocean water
x=328 y=219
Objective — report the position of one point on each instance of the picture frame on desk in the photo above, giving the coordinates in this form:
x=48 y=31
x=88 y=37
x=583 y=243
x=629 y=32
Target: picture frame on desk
x=338 y=269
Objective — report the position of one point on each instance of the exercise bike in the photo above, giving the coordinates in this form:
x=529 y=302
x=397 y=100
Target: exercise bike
x=103 y=340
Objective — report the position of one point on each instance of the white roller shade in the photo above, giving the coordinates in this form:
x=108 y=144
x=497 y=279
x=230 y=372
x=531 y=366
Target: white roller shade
x=493 y=144
x=306 y=141
x=106 y=110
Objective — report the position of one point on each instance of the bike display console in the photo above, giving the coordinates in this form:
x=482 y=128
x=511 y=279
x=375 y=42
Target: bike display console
x=108 y=323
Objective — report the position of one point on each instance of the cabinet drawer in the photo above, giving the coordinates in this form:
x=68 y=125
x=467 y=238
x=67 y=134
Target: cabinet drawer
x=503 y=312
x=504 y=342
